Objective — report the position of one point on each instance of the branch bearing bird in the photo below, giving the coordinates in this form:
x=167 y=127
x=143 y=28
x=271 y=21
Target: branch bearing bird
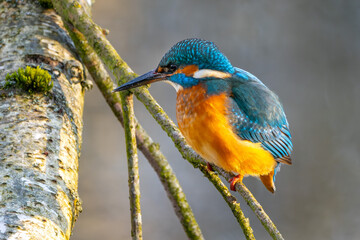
x=226 y=114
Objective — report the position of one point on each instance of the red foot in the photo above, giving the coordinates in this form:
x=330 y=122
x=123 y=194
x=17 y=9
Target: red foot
x=233 y=181
x=209 y=167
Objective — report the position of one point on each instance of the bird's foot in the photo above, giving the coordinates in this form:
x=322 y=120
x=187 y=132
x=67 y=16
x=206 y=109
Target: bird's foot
x=234 y=180
x=209 y=167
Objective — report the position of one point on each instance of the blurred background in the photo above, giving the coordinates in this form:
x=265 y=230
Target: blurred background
x=308 y=52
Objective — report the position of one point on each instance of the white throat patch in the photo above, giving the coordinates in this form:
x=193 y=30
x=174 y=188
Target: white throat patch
x=203 y=73
x=175 y=85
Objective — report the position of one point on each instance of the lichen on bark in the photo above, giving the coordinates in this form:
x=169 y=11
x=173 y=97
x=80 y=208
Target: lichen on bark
x=40 y=135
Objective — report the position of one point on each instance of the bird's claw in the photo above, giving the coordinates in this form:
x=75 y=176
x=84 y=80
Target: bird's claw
x=209 y=167
x=233 y=181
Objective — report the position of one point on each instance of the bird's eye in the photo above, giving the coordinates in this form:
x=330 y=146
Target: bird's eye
x=172 y=68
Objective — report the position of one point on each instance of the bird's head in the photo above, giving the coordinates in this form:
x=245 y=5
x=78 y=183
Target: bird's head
x=186 y=64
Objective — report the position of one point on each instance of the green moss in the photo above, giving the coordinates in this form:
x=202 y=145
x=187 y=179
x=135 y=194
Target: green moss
x=46 y=4
x=31 y=80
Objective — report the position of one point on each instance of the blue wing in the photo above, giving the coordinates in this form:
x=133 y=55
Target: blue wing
x=257 y=115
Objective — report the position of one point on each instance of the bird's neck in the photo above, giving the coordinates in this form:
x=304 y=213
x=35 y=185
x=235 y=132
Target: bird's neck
x=191 y=96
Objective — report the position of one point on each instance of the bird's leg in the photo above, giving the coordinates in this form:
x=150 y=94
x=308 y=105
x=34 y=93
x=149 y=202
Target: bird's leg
x=209 y=167
x=234 y=180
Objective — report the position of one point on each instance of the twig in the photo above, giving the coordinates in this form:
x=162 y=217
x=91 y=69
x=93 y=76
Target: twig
x=133 y=166
x=254 y=205
x=231 y=201
x=123 y=72
x=150 y=149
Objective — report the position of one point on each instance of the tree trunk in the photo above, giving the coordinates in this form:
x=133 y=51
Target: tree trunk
x=40 y=134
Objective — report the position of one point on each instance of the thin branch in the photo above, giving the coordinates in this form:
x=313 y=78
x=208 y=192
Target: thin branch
x=72 y=11
x=231 y=201
x=133 y=166
x=69 y=10
x=254 y=205
x=150 y=149
x=170 y=182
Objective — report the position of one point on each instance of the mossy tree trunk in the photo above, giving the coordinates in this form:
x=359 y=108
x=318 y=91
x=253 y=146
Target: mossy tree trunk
x=40 y=134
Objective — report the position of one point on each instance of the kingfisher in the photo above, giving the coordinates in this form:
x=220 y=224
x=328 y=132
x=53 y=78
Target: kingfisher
x=226 y=114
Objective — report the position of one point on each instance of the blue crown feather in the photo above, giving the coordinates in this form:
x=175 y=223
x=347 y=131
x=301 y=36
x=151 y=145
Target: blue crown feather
x=204 y=54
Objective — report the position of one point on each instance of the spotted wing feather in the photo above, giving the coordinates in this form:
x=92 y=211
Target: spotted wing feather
x=257 y=115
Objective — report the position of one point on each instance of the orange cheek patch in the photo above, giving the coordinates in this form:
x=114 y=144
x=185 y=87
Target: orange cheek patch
x=188 y=70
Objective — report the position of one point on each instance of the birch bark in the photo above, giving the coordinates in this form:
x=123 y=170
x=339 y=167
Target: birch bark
x=40 y=135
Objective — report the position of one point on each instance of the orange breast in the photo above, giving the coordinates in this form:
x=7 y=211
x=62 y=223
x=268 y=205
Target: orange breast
x=202 y=120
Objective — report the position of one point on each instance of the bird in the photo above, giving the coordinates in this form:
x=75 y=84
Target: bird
x=226 y=114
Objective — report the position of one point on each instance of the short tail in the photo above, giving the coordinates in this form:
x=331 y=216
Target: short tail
x=268 y=181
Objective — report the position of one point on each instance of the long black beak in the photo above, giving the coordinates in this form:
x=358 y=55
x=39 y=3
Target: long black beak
x=147 y=78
